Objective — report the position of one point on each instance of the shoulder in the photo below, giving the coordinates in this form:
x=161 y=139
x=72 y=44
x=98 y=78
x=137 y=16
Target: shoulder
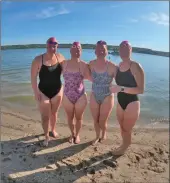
x=64 y=62
x=37 y=60
x=91 y=63
x=61 y=57
x=84 y=64
x=111 y=64
x=136 y=67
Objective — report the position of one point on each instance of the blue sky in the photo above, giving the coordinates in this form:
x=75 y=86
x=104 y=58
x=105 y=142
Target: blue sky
x=144 y=24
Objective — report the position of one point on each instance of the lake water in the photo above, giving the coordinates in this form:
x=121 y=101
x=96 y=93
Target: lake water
x=15 y=77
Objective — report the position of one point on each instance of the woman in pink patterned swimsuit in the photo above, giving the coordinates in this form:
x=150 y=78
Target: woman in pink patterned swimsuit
x=75 y=98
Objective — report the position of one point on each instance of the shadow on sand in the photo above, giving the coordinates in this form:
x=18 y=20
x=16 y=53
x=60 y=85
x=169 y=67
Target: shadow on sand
x=24 y=160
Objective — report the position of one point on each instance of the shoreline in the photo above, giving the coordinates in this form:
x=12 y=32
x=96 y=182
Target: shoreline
x=28 y=107
x=89 y=46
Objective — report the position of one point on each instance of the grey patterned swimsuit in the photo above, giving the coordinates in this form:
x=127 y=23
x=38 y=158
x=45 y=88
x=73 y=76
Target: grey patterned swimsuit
x=101 y=84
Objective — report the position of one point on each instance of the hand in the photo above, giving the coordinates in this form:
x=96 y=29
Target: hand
x=115 y=89
x=37 y=96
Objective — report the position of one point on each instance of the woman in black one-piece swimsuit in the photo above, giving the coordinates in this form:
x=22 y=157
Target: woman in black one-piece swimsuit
x=130 y=83
x=48 y=92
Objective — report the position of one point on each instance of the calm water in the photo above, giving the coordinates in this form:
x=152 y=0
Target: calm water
x=154 y=102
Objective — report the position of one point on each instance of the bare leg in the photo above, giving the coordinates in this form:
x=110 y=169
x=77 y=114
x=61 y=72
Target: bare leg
x=69 y=109
x=95 y=109
x=131 y=115
x=105 y=110
x=120 y=117
x=55 y=104
x=79 y=110
x=45 y=109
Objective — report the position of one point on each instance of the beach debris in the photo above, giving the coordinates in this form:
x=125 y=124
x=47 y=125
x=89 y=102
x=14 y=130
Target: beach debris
x=20 y=156
x=111 y=176
x=52 y=166
x=166 y=161
x=92 y=171
x=34 y=149
x=110 y=163
x=129 y=164
x=137 y=157
x=33 y=155
x=151 y=153
x=24 y=159
x=7 y=158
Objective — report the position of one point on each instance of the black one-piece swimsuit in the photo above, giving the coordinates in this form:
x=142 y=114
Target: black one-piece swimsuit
x=125 y=79
x=50 y=79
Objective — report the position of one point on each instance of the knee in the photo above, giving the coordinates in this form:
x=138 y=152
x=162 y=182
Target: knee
x=125 y=129
x=103 y=123
x=45 y=118
x=70 y=119
x=53 y=113
x=79 y=119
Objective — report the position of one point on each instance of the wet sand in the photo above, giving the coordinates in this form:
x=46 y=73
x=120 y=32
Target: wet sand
x=24 y=160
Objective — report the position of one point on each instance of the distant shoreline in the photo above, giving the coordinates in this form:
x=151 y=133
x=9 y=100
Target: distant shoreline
x=113 y=49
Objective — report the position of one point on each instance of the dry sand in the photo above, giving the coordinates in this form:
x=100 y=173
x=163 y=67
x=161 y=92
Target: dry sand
x=23 y=160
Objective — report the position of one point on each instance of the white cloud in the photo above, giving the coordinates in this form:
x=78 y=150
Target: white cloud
x=132 y=20
x=52 y=12
x=158 y=18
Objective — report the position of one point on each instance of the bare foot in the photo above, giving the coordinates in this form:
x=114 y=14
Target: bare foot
x=71 y=139
x=102 y=140
x=77 y=140
x=96 y=141
x=120 y=150
x=53 y=134
x=45 y=142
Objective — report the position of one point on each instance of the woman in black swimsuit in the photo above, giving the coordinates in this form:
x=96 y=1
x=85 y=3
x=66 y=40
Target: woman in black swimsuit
x=130 y=83
x=48 y=92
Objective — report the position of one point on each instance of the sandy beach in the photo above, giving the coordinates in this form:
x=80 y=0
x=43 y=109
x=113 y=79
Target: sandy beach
x=24 y=160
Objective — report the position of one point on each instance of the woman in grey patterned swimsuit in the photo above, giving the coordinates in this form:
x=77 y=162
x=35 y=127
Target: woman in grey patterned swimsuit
x=101 y=100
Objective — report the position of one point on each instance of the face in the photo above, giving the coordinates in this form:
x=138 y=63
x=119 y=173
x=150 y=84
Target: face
x=101 y=49
x=76 y=50
x=125 y=50
x=52 y=45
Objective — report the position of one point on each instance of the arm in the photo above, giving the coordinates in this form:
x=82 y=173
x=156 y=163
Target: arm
x=62 y=61
x=62 y=58
x=138 y=73
x=34 y=73
x=87 y=72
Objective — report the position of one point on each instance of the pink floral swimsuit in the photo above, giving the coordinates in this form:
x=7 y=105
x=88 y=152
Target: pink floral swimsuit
x=74 y=86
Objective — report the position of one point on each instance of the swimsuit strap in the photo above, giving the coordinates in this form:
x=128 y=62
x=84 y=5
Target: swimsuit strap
x=130 y=65
x=57 y=58
x=66 y=66
x=79 y=67
x=121 y=64
x=42 y=59
x=107 y=65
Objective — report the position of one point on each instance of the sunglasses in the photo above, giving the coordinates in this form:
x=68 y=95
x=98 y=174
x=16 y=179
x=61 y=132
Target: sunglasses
x=101 y=42
x=53 y=43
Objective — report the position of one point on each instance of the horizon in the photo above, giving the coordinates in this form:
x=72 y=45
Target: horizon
x=81 y=44
x=68 y=21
